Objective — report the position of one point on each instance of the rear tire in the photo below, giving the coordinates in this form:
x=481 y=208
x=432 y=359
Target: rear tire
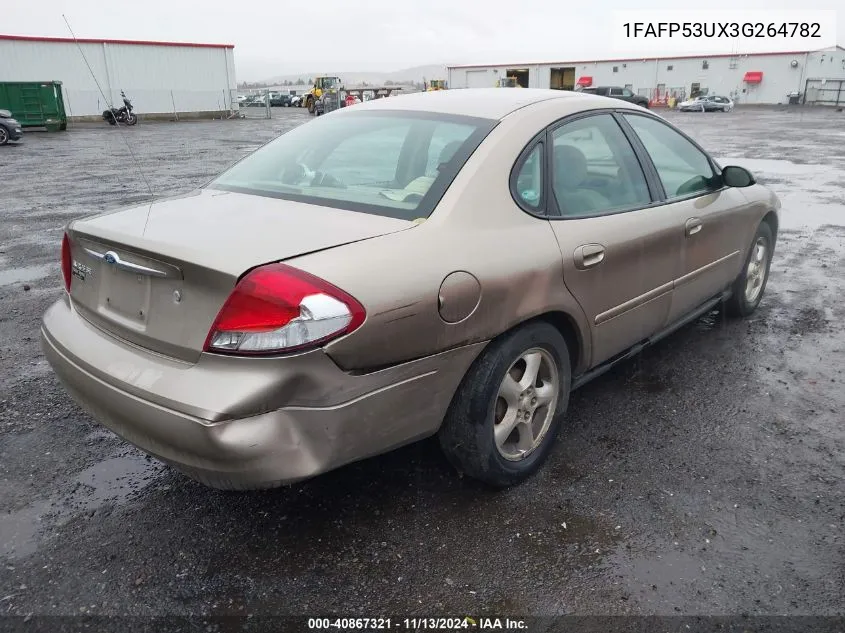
x=482 y=435
x=748 y=288
x=4 y=135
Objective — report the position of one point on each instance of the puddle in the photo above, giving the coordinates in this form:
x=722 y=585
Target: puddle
x=671 y=575
x=809 y=193
x=25 y=273
x=112 y=481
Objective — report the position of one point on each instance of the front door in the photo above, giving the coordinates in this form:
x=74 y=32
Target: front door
x=712 y=228
x=621 y=251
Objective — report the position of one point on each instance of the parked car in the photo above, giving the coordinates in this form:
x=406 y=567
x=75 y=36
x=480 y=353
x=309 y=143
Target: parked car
x=708 y=103
x=296 y=101
x=278 y=100
x=255 y=101
x=524 y=259
x=616 y=92
x=10 y=129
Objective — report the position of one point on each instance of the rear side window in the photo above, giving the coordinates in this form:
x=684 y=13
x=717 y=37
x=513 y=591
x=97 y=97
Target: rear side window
x=529 y=180
x=684 y=169
x=595 y=170
x=391 y=163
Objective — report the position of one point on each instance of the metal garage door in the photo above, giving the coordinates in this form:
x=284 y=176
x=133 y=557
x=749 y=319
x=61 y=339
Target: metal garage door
x=830 y=92
x=478 y=79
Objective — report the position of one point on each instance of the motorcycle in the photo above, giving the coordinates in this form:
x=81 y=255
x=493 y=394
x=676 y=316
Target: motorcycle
x=121 y=115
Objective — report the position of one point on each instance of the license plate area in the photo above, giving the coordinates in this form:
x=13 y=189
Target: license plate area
x=124 y=296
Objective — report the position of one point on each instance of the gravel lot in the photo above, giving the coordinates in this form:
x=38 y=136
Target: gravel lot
x=705 y=477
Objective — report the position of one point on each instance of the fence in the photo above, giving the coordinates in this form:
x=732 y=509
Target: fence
x=164 y=101
x=256 y=105
x=829 y=92
x=661 y=97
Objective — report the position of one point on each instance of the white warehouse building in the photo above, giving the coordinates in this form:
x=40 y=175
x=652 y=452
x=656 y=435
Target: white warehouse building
x=160 y=78
x=754 y=78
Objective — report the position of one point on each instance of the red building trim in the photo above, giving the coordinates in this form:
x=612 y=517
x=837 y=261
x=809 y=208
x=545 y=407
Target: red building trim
x=637 y=59
x=85 y=40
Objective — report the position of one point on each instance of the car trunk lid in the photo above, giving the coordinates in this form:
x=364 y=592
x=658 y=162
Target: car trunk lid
x=156 y=275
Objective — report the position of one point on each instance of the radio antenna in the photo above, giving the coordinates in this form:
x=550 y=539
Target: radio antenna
x=108 y=103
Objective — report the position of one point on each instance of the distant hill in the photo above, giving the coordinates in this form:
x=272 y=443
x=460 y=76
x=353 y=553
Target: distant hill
x=416 y=74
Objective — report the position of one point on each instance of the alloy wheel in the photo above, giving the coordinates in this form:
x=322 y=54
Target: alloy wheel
x=525 y=404
x=755 y=273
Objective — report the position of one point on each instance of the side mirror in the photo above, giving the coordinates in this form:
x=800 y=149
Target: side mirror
x=734 y=176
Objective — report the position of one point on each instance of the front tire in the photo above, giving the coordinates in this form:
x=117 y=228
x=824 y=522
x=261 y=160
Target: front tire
x=748 y=288
x=4 y=135
x=505 y=416
x=131 y=118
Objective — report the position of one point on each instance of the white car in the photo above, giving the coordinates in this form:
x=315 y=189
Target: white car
x=709 y=103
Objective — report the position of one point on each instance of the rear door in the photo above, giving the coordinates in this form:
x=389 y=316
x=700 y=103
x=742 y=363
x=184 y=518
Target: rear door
x=620 y=247
x=708 y=213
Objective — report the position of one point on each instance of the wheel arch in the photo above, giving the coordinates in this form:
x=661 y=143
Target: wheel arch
x=771 y=218
x=568 y=328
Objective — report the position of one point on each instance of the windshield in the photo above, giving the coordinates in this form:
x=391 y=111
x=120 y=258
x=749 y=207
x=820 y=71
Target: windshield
x=397 y=164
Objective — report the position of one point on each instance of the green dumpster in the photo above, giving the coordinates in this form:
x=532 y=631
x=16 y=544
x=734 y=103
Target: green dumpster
x=35 y=103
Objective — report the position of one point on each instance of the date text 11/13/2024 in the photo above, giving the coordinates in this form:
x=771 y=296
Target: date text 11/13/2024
x=417 y=624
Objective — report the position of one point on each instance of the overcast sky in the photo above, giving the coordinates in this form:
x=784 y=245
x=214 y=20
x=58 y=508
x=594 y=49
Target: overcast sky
x=290 y=36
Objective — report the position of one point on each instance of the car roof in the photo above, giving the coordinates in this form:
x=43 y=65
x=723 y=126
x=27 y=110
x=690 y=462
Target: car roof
x=487 y=103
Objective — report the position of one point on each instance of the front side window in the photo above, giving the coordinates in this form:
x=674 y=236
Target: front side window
x=684 y=169
x=595 y=170
x=396 y=164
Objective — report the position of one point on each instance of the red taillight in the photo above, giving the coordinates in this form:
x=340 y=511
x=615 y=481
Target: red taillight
x=277 y=308
x=66 y=261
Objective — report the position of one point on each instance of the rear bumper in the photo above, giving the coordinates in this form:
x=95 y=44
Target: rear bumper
x=315 y=417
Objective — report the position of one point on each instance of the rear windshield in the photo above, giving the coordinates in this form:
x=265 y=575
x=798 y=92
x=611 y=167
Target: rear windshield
x=391 y=163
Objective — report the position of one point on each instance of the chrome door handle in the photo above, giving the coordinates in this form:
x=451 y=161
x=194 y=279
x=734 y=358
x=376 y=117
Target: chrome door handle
x=693 y=226
x=588 y=255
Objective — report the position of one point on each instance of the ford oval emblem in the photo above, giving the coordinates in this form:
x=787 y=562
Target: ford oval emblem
x=111 y=257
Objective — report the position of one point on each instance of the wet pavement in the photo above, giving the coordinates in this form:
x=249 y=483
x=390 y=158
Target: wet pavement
x=705 y=477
